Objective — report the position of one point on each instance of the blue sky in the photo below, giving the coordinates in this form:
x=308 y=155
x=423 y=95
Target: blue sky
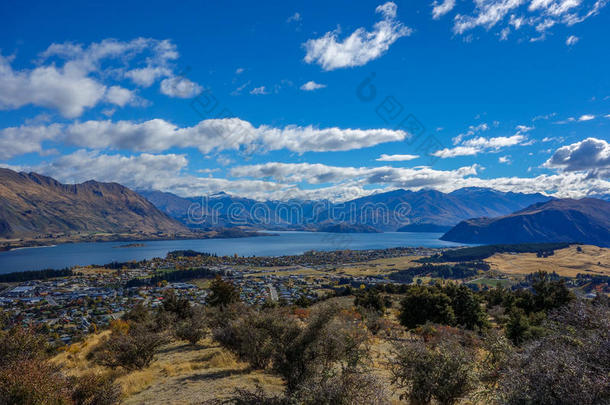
x=309 y=99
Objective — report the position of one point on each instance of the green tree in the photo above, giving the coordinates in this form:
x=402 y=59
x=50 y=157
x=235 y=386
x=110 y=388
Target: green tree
x=222 y=293
x=424 y=304
x=466 y=306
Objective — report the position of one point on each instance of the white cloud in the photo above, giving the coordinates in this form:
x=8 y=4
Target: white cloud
x=147 y=171
x=538 y=15
x=180 y=87
x=396 y=158
x=239 y=71
x=586 y=117
x=322 y=174
x=311 y=85
x=504 y=159
x=480 y=144
x=259 y=90
x=277 y=180
x=146 y=76
x=72 y=78
x=66 y=90
x=571 y=40
x=17 y=141
x=440 y=9
x=120 y=96
x=294 y=18
x=472 y=130
x=208 y=135
x=358 y=180
x=361 y=46
x=590 y=155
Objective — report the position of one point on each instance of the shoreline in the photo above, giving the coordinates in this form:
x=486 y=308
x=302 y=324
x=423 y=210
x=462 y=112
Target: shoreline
x=11 y=245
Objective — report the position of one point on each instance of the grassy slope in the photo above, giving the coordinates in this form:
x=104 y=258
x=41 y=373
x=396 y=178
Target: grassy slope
x=565 y=262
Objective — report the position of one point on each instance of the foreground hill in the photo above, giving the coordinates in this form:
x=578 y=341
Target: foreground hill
x=32 y=205
x=567 y=220
x=391 y=211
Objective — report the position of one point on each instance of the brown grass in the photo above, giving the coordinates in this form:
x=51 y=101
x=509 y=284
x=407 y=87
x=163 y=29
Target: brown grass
x=180 y=374
x=566 y=262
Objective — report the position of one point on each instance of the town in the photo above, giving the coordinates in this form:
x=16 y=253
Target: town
x=69 y=307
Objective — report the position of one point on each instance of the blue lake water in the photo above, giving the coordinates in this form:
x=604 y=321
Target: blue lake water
x=285 y=243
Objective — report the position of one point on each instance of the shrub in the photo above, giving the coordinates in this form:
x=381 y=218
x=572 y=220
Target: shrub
x=33 y=382
x=132 y=350
x=21 y=344
x=95 y=389
x=192 y=329
x=312 y=353
x=255 y=337
x=370 y=299
x=570 y=365
x=347 y=388
x=444 y=372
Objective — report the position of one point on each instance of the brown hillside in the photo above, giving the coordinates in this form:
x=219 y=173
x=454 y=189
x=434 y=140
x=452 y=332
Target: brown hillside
x=33 y=205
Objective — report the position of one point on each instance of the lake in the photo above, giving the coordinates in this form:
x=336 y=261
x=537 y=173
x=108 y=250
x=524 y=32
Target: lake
x=285 y=243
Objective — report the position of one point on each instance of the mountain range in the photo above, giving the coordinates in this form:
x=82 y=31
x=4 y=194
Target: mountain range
x=566 y=220
x=401 y=210
x=36 y=206
x=32 y=205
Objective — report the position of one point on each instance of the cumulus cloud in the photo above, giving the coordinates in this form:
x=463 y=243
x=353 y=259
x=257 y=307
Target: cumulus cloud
x=586 y=117
x=311 y=85
x=120 y=96
x=361 y=46
x=590 y=155
x=68 y=91
x=17 y=141
x=538 y=15
x=322 y=174
x=480 y=144
x=360 y=180
x=213 y=135
x=440 y=9
x=396 y=158
x=180 y=87
x=72 y=78
x=146 y=171
x=279 y=181
x=571 y=40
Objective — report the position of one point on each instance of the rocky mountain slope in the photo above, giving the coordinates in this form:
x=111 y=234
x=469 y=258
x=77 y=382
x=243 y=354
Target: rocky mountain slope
x=566 y=220
x=32 y=205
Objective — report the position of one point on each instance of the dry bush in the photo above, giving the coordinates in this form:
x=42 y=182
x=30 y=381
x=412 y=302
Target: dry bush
x=95 y=389
x=327 y=343
x=346 y=388
x=133 y=350
x=32 y=382
x=571 y=365
x=193 y=328
x=444 y=372
x=256 y=337
x=21 y=344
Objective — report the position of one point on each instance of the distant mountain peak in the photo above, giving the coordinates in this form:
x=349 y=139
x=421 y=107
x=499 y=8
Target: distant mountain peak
x=559 y=220
x=32 y=204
